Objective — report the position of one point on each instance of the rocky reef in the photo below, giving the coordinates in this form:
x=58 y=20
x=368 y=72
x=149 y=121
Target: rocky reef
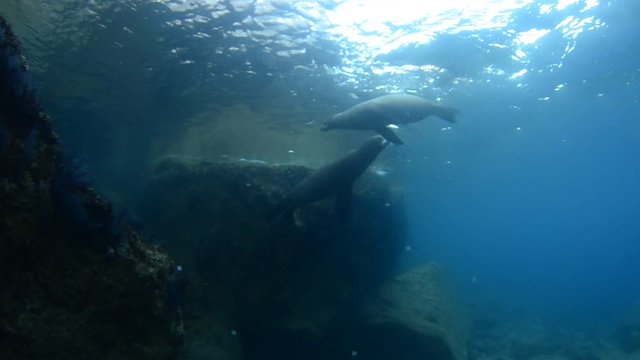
x=291 y=276
x=77 y=281
x=80 y=282
x=294 y=287
x=503 y=332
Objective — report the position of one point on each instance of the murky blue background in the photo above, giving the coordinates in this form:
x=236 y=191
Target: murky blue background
x=531 y=199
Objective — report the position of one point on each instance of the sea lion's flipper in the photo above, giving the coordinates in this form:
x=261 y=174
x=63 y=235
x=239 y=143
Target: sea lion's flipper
x=388 y=133
x=342 y=206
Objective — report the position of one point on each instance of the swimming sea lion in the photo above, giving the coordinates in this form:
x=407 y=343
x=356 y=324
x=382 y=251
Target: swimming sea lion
x=377 y=114
x=334 y=178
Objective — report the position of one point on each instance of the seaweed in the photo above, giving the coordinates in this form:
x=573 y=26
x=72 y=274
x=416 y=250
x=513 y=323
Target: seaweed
x=70 y=181
x=79 y=209
x=63 y=292
x=120 y=221
x=73 y=174
x=17 y=92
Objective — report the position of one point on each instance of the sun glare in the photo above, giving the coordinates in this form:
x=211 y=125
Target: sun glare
x=407 y=12
x=385 y=24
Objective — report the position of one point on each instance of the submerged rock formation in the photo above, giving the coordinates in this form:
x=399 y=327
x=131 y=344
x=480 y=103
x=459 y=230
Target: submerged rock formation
x=294 y=277
x=77 y=281
x=628 y=333
x=301 y=287
x=414 y=316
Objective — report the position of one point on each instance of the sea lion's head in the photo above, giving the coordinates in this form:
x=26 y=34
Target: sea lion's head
x=330 y=123
x=374 y=145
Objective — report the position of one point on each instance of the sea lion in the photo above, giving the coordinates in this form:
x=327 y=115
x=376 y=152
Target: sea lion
x=334 y=178
x=377 y=114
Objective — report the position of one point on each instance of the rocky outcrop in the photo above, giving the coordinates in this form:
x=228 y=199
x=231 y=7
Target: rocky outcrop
x=414 y=316
x=301 y=287
x=277 y=283
x=77 y=281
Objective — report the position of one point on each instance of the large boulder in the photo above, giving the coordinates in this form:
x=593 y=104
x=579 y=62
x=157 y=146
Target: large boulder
x=414 y=316
x=277 y=282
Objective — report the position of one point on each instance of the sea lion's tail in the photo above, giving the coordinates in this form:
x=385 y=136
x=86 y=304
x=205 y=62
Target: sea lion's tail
x=448 y=114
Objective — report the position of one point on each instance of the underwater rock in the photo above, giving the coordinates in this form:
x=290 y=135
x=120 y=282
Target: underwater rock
x=210 y=331
x=628 y=333
x=629 y=338
x=414 y=316
x=277 y=283
x=72 y=287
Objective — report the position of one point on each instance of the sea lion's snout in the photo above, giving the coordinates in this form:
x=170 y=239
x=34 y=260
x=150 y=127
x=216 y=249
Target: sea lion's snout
x=382 y=142
x=376 y=143
x=328 y=125
x=449 y=114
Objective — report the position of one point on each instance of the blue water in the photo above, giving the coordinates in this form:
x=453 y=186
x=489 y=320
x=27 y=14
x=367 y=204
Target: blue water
x=532 y=198
x=541 y=205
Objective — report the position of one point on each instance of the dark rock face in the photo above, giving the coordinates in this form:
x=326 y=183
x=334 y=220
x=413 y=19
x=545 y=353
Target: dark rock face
x=283 y=285
x=77 y=282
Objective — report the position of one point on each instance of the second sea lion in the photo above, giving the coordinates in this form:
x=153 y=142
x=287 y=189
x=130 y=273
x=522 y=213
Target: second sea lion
x=379 y=113
x=335 y=178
